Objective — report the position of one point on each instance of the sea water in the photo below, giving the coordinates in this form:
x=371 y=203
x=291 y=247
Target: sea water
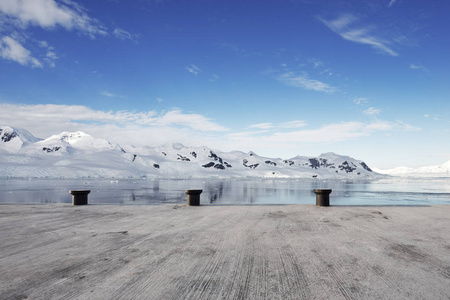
x=391 y=191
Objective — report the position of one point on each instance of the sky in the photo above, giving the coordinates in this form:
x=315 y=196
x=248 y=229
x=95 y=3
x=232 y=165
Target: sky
x=367 y=79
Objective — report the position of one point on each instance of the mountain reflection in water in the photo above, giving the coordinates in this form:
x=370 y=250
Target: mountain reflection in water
x=215 y=191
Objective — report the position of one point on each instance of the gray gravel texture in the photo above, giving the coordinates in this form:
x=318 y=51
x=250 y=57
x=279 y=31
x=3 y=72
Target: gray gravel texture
x=224 y=252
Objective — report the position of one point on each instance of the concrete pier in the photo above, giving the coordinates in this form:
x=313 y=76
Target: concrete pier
x=224 y=252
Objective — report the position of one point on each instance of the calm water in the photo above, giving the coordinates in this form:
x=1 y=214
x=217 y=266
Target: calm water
x=381 y=192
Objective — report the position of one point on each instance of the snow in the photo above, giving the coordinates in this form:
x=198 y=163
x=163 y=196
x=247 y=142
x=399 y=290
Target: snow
x=80 y=155
x=428 y=171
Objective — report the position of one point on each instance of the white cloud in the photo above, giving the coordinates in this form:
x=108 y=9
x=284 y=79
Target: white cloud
x=127 y=127
x=194 y=121
x=359 y=101
x=108 y=94
x=330 y=133
x=293 y=124
x=18 y=15
x=392 y=3
x=362 y=35
x=49 y=14
x=302 y=81
x=371 y=111
x=316 y=63
x=153 y=128
x=418 y=67
x=262 y=126
x=214 y=77
x=124 y=35
x=279 y=126
x=50 y=55
x=238 y=51
x=159 y=100
x=193 y=69
x=10 y=49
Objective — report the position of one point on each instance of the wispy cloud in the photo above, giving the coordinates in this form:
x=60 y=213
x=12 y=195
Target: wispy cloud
x=111 y=95
x=124 y=35
x=336 y=132
x=262 y=126
x=419 y=68
x=10 y=49
x=316 y=62
x=293 y=124
x=193 y=69
x=371 y=111
x=19 y=15
x=359 y=101
x=238 y=50
x=391 y=3
x=303 y=81
x=49 y=14
x=139 y=128
x=214 y=77
x=346 y=27
x=434 y=117
x=50 y=55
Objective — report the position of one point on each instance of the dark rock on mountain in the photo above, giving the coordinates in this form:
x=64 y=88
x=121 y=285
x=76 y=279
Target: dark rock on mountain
x=208 y=165
x=7 y=136
x=321 y=162
x=194 y=154
x=363 y=164
x=215 y=157
x=290 y=162
x=156 y=166
x=245 y=161
x=314 y=163
x=345 y=166
x=182 y=158
x=50 y=150
x=269 y=162
x=219 y=166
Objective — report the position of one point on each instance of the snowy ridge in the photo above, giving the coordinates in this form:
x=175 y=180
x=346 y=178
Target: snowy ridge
x=12 y=139
x=77 y=154
x=429 y=171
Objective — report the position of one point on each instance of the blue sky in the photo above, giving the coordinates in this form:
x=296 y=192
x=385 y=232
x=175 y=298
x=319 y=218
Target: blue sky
x=367 y=79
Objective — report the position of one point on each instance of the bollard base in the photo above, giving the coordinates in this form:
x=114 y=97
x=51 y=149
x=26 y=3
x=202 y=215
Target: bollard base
x=80 y=197
x=193 y=197
x=322 y=197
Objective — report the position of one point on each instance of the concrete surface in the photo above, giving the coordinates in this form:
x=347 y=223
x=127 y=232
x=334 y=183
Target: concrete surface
x=224 y=252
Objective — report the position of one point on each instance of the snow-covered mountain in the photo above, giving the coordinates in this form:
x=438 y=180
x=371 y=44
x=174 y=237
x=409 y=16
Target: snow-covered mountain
x=77 y=154
x=12 y=139
x=429 y=171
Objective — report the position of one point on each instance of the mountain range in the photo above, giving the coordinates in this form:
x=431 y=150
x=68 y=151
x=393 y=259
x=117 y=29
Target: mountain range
x=442 y=170
x=80 y=155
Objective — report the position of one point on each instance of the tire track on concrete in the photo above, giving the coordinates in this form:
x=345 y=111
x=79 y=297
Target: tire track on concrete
x=174 y=259
x=333 y=271
x=298 y=281
x=202 y=280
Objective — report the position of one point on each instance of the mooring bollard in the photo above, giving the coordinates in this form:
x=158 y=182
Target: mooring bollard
x=322 y=197
x=80 y=197
x=193 y=198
